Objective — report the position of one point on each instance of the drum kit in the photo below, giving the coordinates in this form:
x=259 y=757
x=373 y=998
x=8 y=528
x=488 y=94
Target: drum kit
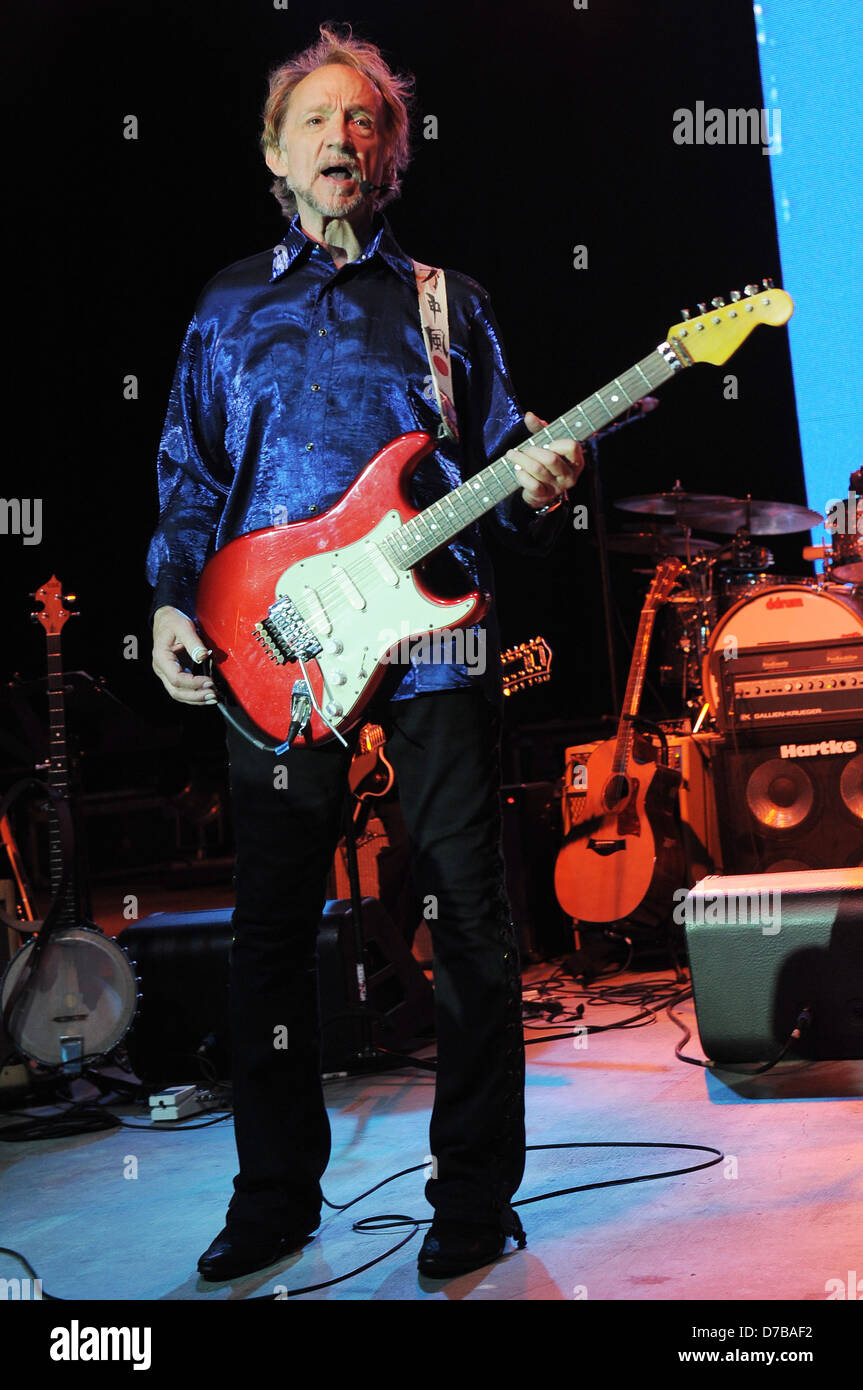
x=731 y=588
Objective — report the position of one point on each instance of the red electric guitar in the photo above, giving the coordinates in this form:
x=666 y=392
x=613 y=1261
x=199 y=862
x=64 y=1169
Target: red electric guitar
x=313 y=609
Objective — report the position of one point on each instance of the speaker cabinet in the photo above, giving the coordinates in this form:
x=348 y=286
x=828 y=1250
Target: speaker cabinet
x=181 y=961
x=792 y=804
x=764 y=946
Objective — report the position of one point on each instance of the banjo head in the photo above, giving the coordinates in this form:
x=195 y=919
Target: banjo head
x=80 y=1002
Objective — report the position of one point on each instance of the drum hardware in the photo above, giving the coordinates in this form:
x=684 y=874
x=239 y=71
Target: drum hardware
x=842 y=551
x=842 y=556
x=661 y=542
x=744 y=555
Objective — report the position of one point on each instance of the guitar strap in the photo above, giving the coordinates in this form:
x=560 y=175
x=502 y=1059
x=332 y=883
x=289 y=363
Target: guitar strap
x=431 y=289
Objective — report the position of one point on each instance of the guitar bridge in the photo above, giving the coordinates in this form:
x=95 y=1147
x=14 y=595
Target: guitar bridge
x=284 y=634
x=605 y=847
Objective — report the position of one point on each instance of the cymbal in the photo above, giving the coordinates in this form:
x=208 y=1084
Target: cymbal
x=669 y=542
x=676 y=503
x=849 y=574
x=712 y=512
x=759 y=518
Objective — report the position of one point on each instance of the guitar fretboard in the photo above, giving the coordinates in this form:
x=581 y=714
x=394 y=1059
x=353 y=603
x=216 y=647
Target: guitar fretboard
x=634 y=684
x=57 y=775
x=444 y=519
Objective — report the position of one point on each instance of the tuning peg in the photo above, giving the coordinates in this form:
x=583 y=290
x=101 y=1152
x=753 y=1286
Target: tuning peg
x=768 y=283
x=750 y=289
x=702 y=308
x=718 y=302
x=734 y=296
x=684 y=314
x=69 y=598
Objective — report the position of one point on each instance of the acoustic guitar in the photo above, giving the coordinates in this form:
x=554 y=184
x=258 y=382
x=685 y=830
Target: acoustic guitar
x=622 y=857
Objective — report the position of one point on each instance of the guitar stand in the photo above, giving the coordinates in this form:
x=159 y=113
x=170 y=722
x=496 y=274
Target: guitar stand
x=369 y=1057
x=591 y=958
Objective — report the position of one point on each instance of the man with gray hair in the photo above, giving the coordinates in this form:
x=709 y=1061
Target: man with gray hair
x=299 y=364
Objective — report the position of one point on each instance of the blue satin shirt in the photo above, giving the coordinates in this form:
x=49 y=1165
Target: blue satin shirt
x=291 y=376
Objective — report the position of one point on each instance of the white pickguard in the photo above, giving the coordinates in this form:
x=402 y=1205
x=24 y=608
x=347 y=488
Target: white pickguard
x=360 y=607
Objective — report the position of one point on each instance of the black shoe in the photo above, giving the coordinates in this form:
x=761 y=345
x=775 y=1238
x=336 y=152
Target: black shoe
x=233 y=1254
x=457 y=1247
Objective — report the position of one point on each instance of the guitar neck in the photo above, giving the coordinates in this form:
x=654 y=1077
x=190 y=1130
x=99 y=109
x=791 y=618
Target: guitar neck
x=634 y=687
x=444 y=519
x=57 y=775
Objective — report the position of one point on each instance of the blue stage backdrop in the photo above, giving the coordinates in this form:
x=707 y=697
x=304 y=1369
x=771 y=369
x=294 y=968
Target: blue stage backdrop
x=811 y=54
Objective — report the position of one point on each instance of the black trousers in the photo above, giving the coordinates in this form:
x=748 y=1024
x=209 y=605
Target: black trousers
x=445 y=750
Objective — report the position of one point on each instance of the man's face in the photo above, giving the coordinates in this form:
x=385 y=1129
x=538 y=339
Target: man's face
x=332 y=137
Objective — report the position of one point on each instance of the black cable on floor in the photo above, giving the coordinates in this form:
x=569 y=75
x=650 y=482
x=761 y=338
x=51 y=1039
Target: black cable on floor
x=804 y=1018
x=388 y=1221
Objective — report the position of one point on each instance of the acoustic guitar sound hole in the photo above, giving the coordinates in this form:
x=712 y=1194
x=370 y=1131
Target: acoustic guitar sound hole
x=616 y=791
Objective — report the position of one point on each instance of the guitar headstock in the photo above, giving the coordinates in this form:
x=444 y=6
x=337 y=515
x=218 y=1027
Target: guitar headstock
x=54 y=611
x=525 y=665
x=663 y=581
x=718 y=332
x=371 y=738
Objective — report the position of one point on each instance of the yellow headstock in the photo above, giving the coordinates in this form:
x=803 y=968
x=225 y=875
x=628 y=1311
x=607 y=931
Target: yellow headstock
x=717 y=333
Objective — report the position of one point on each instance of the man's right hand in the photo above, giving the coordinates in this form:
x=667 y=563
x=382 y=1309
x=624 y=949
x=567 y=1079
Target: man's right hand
x=174 y=633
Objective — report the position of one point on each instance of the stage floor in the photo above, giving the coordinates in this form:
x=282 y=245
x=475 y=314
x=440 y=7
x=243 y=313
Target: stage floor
x=778 y=1219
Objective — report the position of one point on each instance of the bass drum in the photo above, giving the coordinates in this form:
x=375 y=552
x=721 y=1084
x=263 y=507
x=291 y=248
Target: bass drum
x=793 y=615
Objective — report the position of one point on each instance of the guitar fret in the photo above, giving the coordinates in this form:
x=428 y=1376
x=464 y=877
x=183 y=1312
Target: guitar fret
x=623 y=391
x=612 y=414
x=638 y=368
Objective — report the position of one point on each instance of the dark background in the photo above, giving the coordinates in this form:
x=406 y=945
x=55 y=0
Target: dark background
x=555 y=129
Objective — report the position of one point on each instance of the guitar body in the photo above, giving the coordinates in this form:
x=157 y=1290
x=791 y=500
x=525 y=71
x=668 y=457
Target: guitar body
x=341 y=584
x=622 y=858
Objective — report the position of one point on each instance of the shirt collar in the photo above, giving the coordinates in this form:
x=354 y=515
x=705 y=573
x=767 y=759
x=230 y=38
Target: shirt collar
x=382 y=243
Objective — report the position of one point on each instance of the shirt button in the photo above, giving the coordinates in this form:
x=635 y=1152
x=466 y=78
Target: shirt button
x=316 y=386
x=322 y=333
x=309 y=447
x=312 y=508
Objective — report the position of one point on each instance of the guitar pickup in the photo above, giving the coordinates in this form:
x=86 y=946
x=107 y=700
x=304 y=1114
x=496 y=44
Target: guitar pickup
x=284 y=634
